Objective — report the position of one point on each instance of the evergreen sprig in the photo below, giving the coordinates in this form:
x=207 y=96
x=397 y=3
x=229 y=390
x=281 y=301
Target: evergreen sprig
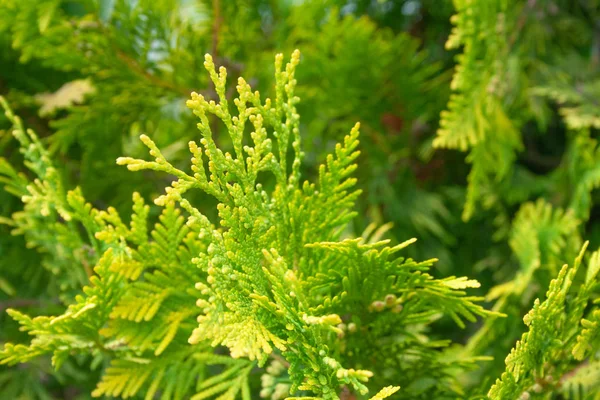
x=273 y=277
x=554 y=340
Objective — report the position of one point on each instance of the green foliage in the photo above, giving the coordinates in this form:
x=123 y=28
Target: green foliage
x=582 y=383
x=555 y=337
x=268 y=273
x=542 y=238
x=274 y=261
x=50 y=217
x=275 y=272
x=476 y=118
x=504 y=67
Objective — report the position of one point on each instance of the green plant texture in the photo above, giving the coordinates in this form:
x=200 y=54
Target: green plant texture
x=182 y=218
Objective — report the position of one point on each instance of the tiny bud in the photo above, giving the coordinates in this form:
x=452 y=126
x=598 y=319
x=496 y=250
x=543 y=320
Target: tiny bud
x=525 y=396
x=390 y=299
x=281 y=391
x=378 y=305
x=351 y=327
x=267 y=380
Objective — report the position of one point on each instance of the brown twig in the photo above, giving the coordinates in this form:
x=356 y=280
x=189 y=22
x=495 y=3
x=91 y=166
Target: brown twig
x=155 y=80
x=133 y=65
x=216 y=28
x=523 y=17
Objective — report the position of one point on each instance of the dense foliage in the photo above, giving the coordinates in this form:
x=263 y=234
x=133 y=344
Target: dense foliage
x=277 y=260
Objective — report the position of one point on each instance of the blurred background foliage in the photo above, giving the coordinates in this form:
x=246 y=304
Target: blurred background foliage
x=483 y=145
